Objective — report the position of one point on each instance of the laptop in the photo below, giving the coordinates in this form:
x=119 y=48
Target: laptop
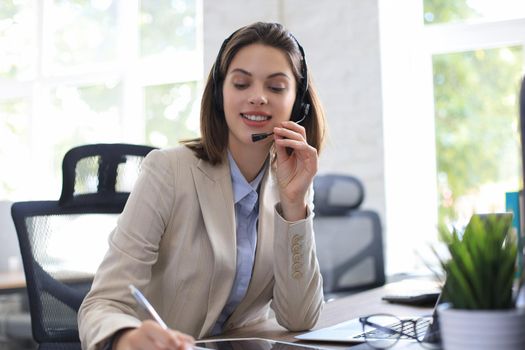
x=351 y=331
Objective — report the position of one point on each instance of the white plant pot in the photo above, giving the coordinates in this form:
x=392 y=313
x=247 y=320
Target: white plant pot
x=482 y=329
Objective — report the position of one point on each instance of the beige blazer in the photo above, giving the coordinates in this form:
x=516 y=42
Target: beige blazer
x=175 y=241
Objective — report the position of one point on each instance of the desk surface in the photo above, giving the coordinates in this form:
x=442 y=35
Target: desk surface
x=343 y=309
x=12 y=281
x=16 y=281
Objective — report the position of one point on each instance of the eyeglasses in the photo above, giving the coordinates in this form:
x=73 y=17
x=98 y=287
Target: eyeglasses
x=382 y=331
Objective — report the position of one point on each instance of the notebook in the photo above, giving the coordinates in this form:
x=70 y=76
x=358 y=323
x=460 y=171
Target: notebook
x=351 y=331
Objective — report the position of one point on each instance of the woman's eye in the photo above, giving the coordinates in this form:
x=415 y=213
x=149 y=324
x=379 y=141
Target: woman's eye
x=240 y=86
x=277 y=88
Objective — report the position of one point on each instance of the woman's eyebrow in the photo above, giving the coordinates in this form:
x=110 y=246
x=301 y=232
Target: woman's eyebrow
x=242 y=71
x=273 y=75
x=279 y=74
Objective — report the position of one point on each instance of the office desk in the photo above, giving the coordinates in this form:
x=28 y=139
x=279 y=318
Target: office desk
x=343 y=309
x=12 y=281
x=15 y=281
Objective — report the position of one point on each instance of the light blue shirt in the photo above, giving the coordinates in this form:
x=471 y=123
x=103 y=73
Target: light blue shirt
x=246 y=200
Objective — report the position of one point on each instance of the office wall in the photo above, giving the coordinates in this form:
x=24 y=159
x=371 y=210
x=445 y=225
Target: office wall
x=341 y=41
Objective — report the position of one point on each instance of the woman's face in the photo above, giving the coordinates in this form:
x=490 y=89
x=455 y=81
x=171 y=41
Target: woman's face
x=259 y=92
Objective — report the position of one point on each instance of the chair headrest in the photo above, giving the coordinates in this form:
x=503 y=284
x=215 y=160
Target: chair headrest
x=100 y=173
x=337 y=194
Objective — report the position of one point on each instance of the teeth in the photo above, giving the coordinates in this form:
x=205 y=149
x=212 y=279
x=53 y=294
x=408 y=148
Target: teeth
x=257 y=118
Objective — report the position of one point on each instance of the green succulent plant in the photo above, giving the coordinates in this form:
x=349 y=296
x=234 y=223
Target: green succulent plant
x=481 y=269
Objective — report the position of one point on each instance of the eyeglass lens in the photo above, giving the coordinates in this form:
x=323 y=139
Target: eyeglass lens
x=382 y=331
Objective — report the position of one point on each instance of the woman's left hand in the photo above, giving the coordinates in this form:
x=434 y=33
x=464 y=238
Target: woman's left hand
x=295 y=170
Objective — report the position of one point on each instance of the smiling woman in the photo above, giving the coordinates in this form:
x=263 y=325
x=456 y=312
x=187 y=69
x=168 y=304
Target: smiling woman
x=243 y=207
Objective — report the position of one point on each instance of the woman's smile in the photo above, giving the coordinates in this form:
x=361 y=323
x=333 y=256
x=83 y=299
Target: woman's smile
x=256 y=119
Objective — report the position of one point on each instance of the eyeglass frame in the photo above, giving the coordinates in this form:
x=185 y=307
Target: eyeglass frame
x=364 y=322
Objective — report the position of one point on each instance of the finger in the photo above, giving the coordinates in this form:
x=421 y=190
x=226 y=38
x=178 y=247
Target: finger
x=187 y=338
x=280 y=151
x=162 y=338
x=294 y=126
x=139 y=338
x=296 y=145
x=185 y=341
x=289 y=133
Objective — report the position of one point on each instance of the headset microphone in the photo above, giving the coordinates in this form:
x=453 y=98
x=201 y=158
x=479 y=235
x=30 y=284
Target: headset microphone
x=262 y=136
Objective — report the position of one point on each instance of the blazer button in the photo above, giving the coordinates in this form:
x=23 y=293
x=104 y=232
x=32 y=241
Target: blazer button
x=296 y=275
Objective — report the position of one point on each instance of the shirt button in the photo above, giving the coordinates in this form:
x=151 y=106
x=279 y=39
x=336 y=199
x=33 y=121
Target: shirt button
x=296 y=239
x=297 y=258
x=296 y=248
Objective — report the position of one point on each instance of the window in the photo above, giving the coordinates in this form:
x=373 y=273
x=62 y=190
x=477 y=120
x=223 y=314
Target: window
x=477 y=137
x=88 y=71
x=475 y=83
x=451 y=71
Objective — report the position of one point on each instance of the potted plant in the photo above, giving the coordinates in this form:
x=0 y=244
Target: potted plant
x=480 y=305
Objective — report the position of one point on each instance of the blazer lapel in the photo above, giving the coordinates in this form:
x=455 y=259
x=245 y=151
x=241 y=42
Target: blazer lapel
x=214 y=189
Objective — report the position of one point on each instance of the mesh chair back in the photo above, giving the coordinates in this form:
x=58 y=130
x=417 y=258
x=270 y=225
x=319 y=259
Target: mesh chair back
x=63 y=242
x=100 y=174
x=348 y=239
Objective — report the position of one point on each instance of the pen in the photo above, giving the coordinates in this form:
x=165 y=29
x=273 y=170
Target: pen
x=144 y=303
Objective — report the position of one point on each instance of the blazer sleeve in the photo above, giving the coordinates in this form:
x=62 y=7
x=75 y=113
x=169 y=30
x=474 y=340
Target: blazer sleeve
x=298 y=289
x=133 y=249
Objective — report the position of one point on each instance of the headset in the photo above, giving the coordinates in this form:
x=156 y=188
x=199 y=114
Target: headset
x=300 y=107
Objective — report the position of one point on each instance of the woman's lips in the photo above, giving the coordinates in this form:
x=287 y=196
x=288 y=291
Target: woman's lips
x=256 y=120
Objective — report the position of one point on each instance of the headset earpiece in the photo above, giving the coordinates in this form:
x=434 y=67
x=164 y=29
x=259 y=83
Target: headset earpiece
x=301 y=107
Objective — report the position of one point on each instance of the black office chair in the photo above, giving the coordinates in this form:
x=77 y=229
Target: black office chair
x=349 y=239
x=62 y=242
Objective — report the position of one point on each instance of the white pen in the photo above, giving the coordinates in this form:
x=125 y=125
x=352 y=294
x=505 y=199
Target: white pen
x=144 y=303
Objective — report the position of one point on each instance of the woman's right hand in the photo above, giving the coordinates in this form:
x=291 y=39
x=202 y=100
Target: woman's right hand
x=150 y=335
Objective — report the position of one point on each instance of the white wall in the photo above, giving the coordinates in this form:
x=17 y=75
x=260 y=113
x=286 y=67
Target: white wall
x=342 y=47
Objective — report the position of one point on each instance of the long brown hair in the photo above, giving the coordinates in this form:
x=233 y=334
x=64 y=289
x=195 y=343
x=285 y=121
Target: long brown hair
x=212 y=144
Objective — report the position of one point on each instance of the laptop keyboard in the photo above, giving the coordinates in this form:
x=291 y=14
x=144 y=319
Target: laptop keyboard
x=407 y=334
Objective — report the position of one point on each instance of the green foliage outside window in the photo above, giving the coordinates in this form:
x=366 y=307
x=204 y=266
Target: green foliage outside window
x=167 y=26
x=13 y=132
x=443 y=11
x=446 y=11
x=476 y=120
x=16 y=39
x=168 y=113
x=74 y=57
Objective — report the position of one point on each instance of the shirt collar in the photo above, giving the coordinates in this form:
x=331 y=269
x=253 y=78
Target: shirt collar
x=241 y=187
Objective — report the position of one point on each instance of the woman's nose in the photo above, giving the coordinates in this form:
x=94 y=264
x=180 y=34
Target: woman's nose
x=258 y=98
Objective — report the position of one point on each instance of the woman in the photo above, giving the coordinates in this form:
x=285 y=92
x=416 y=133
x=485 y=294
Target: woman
x=220 y=229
